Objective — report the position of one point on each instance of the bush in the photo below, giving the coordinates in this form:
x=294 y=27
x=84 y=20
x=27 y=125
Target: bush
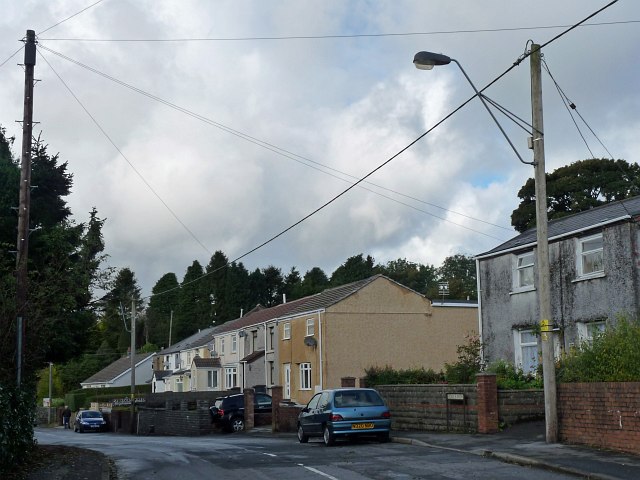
x=469 y=362
x=508 y=377
x=613 y=356
x=17 y=417
x=388 y=376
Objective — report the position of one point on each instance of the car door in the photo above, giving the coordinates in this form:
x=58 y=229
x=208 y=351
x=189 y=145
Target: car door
x=307 y=416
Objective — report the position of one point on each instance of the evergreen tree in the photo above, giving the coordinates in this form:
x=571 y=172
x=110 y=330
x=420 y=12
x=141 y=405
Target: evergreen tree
x=194 y=304
x=292 y=284
x=413 y=275
x=163 y=301
x=354 y=269
x=314 y=281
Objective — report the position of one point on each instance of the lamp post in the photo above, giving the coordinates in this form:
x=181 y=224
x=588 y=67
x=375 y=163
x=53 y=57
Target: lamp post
x=428 y=60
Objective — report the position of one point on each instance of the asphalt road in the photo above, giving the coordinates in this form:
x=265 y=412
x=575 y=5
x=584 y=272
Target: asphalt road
x=250 y=456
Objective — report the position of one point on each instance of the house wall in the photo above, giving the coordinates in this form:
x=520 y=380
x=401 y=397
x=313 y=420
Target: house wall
x=144 y=373
x=254 y=373
x=385 y=324
x=572 y=300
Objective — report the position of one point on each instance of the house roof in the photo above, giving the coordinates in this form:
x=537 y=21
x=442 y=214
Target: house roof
x=609 y=213
x=252 y=357
x=454 y=303
x=160 y=374
x=198 y=339
x=117 y=368
x=207 y=362
x=256 y=317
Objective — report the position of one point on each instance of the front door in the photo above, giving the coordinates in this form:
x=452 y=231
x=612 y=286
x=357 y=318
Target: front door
x=287 y=380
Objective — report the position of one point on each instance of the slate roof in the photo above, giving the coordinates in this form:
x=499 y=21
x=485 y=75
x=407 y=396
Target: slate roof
x=256 y=317
x=252 y=357
x=198 y=339
x=207 y=362
x=117 y=368
x=160 y=374
x=613 y=212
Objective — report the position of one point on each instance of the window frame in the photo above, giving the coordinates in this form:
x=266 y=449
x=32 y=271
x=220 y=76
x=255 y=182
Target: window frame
x=305 y=376
x=518 y=269
x=211 y=376
x=310 y=327
x=230 y=373
x=519 y=346
x=581 y=256
x=234 y=343
x=286 y=331
x=586 y=330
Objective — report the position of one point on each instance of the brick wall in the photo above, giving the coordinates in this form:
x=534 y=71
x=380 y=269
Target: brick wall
x=520 y=405
x=604 y=415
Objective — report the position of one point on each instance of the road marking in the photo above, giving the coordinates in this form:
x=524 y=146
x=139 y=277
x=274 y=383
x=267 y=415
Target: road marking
x=269 y=454
x=315 y=470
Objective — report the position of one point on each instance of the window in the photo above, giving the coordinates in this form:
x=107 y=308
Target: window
x=588 y=331
x=523 y=275
x=305 y=376
x=231 y=377
x=272 y=371
x=222 y=345
x=212 y=379
x=254 y=340
x=271 y=337
x=286 y=373
x=286 y=331
x=189 y=358
x=179 y=384
x=589 y=256
x=234 y=343
x=310 y=325
x=526 y=350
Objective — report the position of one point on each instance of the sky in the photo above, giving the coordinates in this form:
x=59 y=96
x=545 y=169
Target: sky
x=228 y=122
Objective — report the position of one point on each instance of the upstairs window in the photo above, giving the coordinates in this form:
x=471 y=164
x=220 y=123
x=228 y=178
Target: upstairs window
x=286 y=331
x=310 y=327
x=523 y=273
x=234 y=343
x=590 y=256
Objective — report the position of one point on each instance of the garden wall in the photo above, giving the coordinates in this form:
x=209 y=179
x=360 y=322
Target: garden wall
x=603 y=415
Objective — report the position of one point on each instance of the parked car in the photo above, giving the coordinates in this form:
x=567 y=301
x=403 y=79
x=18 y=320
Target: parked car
x=89 y=421
x=228 y=411
x=344 y=413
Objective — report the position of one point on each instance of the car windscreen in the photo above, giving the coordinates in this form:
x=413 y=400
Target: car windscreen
x=91 y=415
x=357 y=398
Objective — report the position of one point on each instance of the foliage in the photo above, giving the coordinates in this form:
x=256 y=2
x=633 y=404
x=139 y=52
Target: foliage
x=508 y=377
x=613 y=356
x=388 y=376
x=159 y=313
x=17 y=417
x=459 y=271
x=469 y=362
x=354 y=269
x=413 y=275
x=194 y=304
x=577 y=187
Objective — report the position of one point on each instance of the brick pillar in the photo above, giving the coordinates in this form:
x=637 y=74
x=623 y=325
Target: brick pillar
x=487 y=401
x=276 y=398
x=348 y=382
x=249 y=415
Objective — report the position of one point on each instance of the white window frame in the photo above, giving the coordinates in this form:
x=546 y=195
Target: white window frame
x=286 y=374
x=234 y=343
x=519 y=267
x=230 y=377
x=311 y=323
x=286 y=331
x=520 y=346
x=586 y=330
x=271 y=337
x=212 y=379
x=582 y=256
x=305 y=376
x=222 y=345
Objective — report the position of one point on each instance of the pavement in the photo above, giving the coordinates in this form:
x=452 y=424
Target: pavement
x=525 y=444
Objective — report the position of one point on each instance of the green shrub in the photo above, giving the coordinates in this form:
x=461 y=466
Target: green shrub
x=17 y=417
x=613 y=356
x=388 y=376
x=508 y=377
x=469 y=362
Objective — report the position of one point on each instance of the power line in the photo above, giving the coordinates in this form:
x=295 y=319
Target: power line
x=515 y=64
x=271 y=147
x=70 y=17
x=144 y=180
x=325 y=37
x=11 y=56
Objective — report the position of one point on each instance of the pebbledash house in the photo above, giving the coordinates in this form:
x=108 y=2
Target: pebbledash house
x=594 y=259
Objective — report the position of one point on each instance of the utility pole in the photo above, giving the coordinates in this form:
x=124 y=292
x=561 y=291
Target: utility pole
x=50 y=393
x=542 y=251
x=22 y=243
x=133 y=363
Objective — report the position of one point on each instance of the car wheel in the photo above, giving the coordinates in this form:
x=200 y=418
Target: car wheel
x=328 y=437
x=383 y=437
x=80 y=429
x=302 y=438
x=237 y=424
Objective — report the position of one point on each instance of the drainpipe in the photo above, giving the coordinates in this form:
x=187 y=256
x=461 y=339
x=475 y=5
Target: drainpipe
x=320 y=346
x=264 y=340
x=479 y=310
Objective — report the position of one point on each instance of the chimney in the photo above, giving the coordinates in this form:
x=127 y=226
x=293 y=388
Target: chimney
x=284 y=298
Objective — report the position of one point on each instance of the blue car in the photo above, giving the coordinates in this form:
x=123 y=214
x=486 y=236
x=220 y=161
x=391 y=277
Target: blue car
x=344 y=413
x=89 y=421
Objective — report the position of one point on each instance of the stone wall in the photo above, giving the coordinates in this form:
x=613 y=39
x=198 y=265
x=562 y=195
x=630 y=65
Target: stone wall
x=603 y=415
x=431 y=407
x=520 y=405
x=184 y=421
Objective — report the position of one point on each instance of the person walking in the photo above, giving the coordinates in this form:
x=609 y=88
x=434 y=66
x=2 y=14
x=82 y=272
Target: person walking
x=66 y=416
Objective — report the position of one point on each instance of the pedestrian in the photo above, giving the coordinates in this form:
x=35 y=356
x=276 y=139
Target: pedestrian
x=66 y=416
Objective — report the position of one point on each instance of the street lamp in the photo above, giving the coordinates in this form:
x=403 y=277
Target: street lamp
x=428 y=60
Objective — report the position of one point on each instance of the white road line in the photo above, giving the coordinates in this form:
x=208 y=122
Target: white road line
x=269 y=454
x=315 y=470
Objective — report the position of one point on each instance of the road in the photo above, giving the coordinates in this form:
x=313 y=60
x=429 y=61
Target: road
x=260 y=456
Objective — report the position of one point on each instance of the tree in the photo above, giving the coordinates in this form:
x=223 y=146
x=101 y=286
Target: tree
x=194 y=304
x=314 y=281
x=354 y=269
x=577 y=187
x=413 y=275
x=292 y=284
x=162 y=304
x=459 y=271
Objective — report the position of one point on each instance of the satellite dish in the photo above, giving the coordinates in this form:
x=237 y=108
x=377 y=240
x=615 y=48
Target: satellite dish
x=310 y=341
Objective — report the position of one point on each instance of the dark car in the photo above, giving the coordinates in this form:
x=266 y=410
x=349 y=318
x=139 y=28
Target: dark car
x=228 y=412
x=344 y=413
x=89 y=421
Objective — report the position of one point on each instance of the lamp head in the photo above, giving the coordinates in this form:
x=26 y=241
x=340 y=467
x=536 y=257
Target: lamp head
x=427 y=60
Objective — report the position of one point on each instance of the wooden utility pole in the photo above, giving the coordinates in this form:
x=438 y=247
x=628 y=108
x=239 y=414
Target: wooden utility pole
x=133 y=364
x=542 y=251
x=22 y=243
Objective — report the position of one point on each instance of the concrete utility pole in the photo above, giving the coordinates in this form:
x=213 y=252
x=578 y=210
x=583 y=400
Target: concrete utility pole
x=542 y=251
x=22 y=243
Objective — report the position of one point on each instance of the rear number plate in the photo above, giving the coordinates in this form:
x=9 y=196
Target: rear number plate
x=361 y=426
